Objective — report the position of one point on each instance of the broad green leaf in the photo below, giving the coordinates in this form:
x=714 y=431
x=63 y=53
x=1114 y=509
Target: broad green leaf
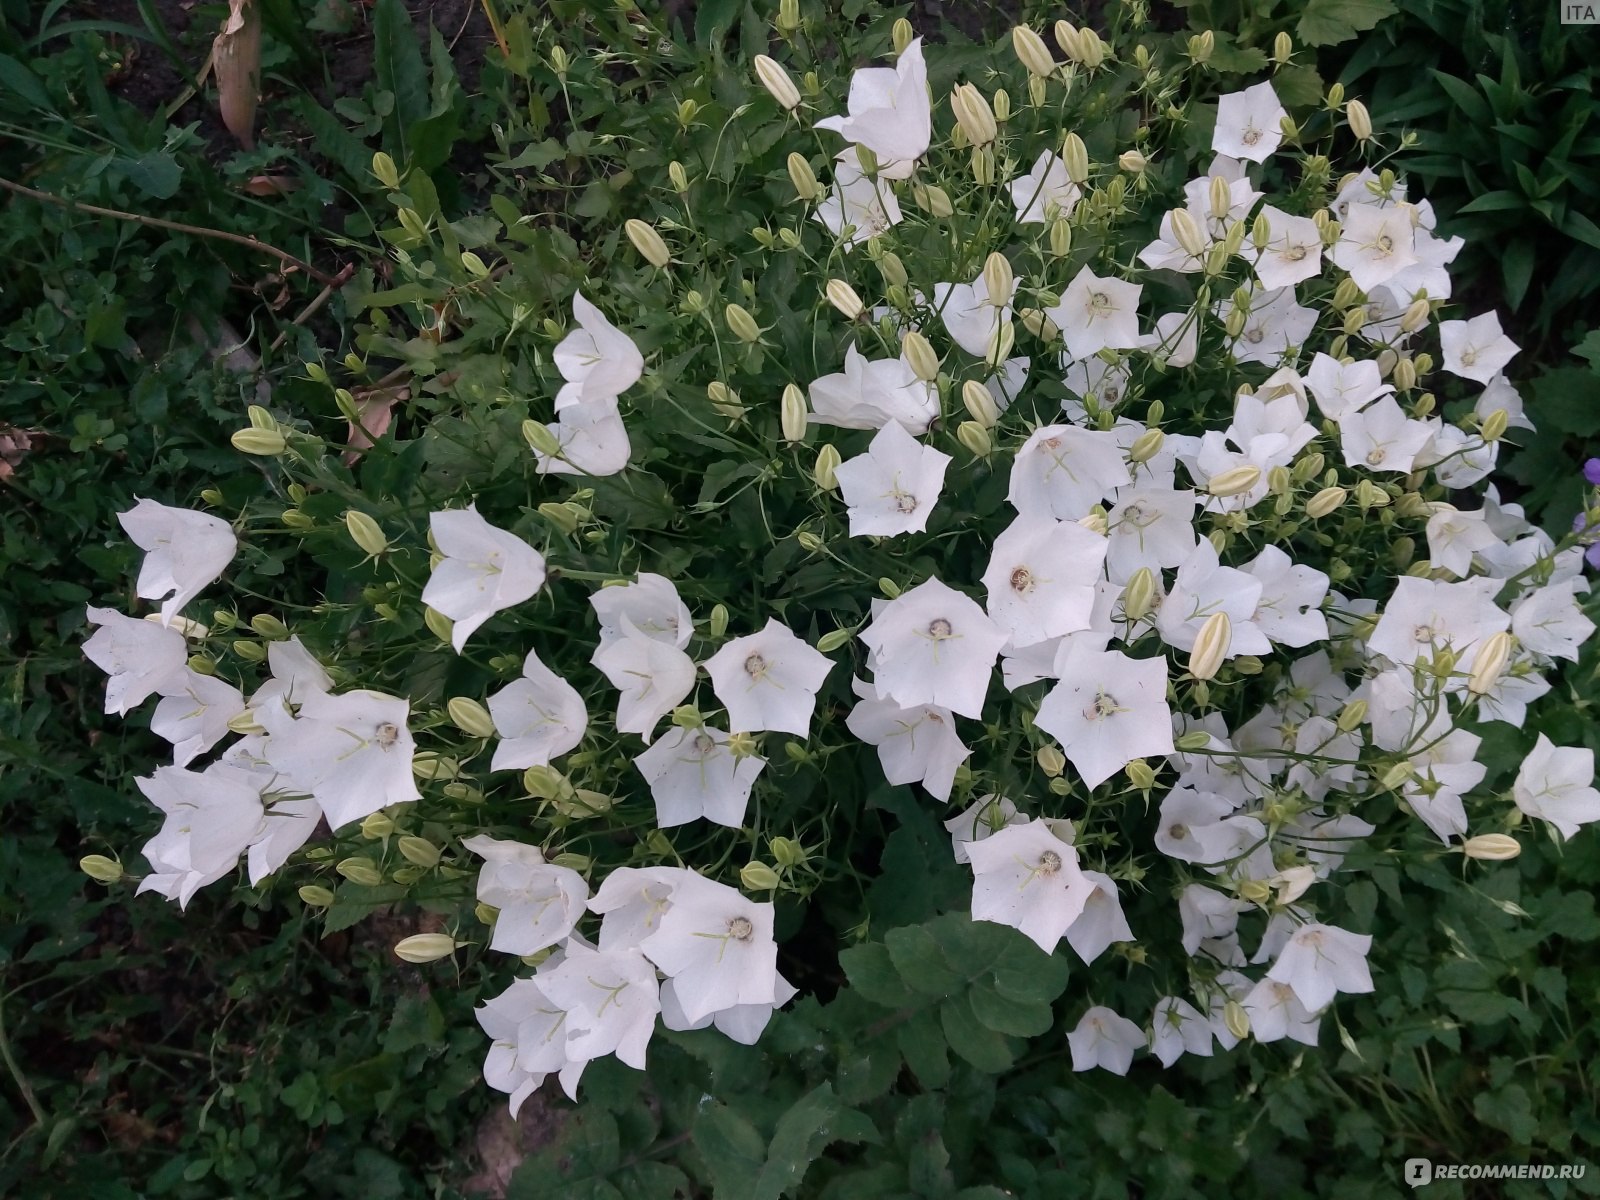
x=1329 y=22
x=972 y=1040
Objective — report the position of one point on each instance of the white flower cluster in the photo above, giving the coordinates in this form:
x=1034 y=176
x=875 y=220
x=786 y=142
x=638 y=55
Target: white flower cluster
x=1108 y=586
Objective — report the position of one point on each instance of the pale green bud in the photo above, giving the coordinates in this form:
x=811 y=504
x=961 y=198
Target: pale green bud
x=647 y=241
x=365 y=532
x=418 y=851
x=470 y=717
x=426 y=947
x=100 y=868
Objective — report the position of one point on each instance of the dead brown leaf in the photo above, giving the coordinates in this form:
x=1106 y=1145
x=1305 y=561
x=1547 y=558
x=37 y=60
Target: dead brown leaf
x=236 y=56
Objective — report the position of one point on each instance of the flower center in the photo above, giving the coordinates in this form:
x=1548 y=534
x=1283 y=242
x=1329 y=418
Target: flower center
x=939 y=629
x=1295 y=253
x=1099 y=304
x=1104 y=706
x=1251 y=136
x=1022 y=581
x=740 y=929
x=905 y=502
x=1376 y=455
x=1424 y=634
x=755 y=666
x=387 y=734
x=1385 y=244
x=1177 y=832
x=704 y=744
x=1253 y=336
x=1468 y=357
x=1049 y=862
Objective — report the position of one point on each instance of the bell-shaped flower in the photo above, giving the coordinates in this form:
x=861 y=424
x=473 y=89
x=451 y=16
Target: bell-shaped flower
x=500 y=1018
x=484 y=570
x=1275 y=1012
x=1320 y=961
x=890 y=113
x=296 y=675
x=593 y=440
x=194 y=714
x=984 y=817
x=769 y=680
x=1426 y=615
x=1174 y=340
x=916 y=744
x=1044 y=191
x=744 y=1023
x=694 y=773
x=1203 y=588
x=1104 y=1039
x=1549 y=620
x=352 y=753
x=1063 y=471
x=869 y=394
x=653 y=676
x=1275 y=325
x=1149 y=527
x=716 y=945
x=1101 y=924
x=539 y=902
x=1288 y=611
x=1097 y=314
x=631 y=901
x=1555 y=784
x=863 y=206
x=1344 y=388
x=1475 y=349
x=1375 y=244
x=1249 y=123
x=892 y=488
x=972 y=317
x=1293 y=253
x=651 y=603
x=185 y=552
x=1188 y=823
x=1041 y=578
x=1178 y=1028
x=1106 y=710
x=539 y=717
x=1207 y=915
x=933 y=645
x=1455 y=536
x=1381 y=437
x=598 y=361
x=1027 y=877
x=610 y=998
x=140 y=658
x=211 y=817
x=288 y=824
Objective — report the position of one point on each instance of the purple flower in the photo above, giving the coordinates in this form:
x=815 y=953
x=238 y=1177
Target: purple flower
x=1591 y=471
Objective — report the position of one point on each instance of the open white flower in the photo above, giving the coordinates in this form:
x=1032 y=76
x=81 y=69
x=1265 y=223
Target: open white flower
x=538 y=717
x=652 y=607
x=933 y=645
x=288 y=824
x=1045 y=189
x=1322 y=960
x=194 y=714
x=610 y=998
x=1207 y=915
x=716 y=945
x=1104 y=1039
x=1062 y=471
x=296 y=675
x=893 y=487
x=1101 y=924
x=1556 y=784
x=1027 y=877
x=1549 y=620
x=692 y=773
x=1275 y=325
x=870 y=394
x=1203 y=588
x=1293 y=253
x=1249 y=123
x=631 y=901
x=1475 y=349
x=185 y=551
x=971 y=315
x=984 y=817
x=598 y=361
x=1455 y=536
x=1098 y=314
x=211 y=817
x=539 y=902
x=1178 y=1028
x=1375 y=243
x=1381 y=437
x=501 y=1018
x=1107 y=710
x=653 y=676
x=1344 y=388
x=593 y=440
x=352 y=753
x=484 y=570
x=916 y=743
x=1041 y=578
x=139 y=658
x=890 y=113
x=1289 y=609
x=1149 y=527
x=866 y=207
x=1425 y=615
x=1275 y=1013
x=769 y=680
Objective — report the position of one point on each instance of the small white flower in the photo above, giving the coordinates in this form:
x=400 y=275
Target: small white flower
x=140 y=658
x=916 y=743
x=892 y=488
x=1381 y=437
x=610 y=998
x=1375 y=243
x=1098 y=314
x=716 y=946
x=1062 y=471
x=693 y=774
x=1288 y=612
x=870 y=394
x=868 y=207
x=1476 y=349
x=650 y=603
x=1550 y=621
x=598 y=361
x=983 y=818
x=1322 y=960
x=1344 y=388
x=653 y=676
x=769 y=680
x=484 y=570
x=538 y=717
x=932 y=645
x=593 y=441
x=1104 y=1039
x=1042 y=189
x=890 y=112
x=1275 y=326
x=1249 y=123
x=1455 y=536
x=1149 y=527
x=1177 y=1028
x=1293 y=253
x=1275 y=1013
x=539 y=902
x=1555 y=784
x=1207 y=914
x=185 y=551
x=1107 y=710
x=194 y=714
x=1041 y=576
x=631 y=901
x=971 y=315
x=1101 y=924
x=211 y=817
x=352 y=753
x=1425 y=615
x=1027 y=877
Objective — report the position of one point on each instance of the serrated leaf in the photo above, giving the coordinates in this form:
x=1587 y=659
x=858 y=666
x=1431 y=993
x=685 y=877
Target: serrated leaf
x=1329 y=22
x=733 y=1151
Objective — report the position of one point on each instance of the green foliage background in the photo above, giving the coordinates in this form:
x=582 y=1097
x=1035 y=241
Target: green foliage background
x=237 y=1051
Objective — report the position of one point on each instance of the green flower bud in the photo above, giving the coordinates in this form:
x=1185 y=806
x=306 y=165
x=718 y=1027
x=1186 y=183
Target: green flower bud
x=316 y=897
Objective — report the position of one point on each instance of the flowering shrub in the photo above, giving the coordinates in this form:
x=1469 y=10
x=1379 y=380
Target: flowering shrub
x=1096 y=378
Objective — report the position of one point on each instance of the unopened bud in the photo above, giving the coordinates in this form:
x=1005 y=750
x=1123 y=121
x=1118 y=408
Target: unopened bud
x=901 y=34
x=1032 y=52
x=1404 y=375
x=1351 y=716
x=1060 y=237
x=1211 y=646
x=647 y=242
x=360 y=871
x=384 y=169
x=264 y=442
x=1041 y=326
x=365 y=532
x=975 y=438
x=1490 y=664
x=823 y=469
x=1139 y=594
x=268 y=626
x=794 y=414
x=1492 y=847
x=426 y=947
x=1234 y=481
x=1075 y=157
x=803 y=178
x=843 y=297
x=1236 y=1019
x=1335 y=95
x=758 y=877
x=419 y=852
x=741 y=324
x=1141 y=775
x=100 y=868
x=919 y=355
x=776 y=80
x=377 y=826
x=1415 y=316
x=1360 y=120
x=1396 y=776
x=1494 y=425
x=1132 y=162
x=973 y=114
x=470 y=717
x=1201 y=46
x=980 y=403
x=1051 y=761
x=892 y=269
x=998 y=279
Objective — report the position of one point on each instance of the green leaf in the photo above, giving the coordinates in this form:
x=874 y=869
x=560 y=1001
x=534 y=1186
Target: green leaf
x=732 y=1149
x=1329 y=22
x=922 y=1043
x=815 y=1121
x=397 y=62
x=18 y=80
x=575 y=1166
x=1516 y=264
x=872 y=972
x=1466 y=98
x=156 y=174
x=971 y=1040
x=1508 y=1109
x=1497 y=201
x=921 y=963
x=1003 y=1015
